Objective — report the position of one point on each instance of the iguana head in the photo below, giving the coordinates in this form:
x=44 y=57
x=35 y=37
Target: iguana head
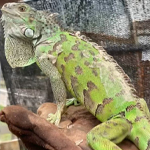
x=21 y=20
x=24 y=27
x=18 y=20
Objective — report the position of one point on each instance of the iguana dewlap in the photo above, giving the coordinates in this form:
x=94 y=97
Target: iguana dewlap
x=84 y=69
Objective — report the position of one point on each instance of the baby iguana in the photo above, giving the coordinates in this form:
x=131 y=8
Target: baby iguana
x=84 y=69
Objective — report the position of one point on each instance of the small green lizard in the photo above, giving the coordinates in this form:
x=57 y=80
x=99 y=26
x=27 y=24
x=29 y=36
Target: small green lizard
x=84 y=69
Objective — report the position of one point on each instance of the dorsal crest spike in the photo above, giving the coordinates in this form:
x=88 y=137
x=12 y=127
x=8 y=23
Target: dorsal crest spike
x=47 y=17
x=50 y=15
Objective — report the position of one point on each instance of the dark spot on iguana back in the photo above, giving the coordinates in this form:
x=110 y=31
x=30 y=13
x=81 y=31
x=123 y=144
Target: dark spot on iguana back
x=94 y=138
x=91 y=86
x=63 y=68
x=88 y=102
x=115 y=124
x=63 y=39
x=148 y=145
x=86 y=63
x=91 y=52
x=139 y=118
x=78 y=70
x=74 y=84
x=74 y=80
x=100 y=107
x=138 y=105
x=122 y=113
x=107 y=101
x=107 y=126
x=76 y=46
x=121 y=92
x=95 y=59
x=94 y=71
x=129 y=108
x=87 y=97
x=136 y=141
x=71 y=56
x=81 y=54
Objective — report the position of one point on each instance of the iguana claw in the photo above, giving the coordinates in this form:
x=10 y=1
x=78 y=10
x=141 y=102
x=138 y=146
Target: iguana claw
x=54 y=118
x=72 y=101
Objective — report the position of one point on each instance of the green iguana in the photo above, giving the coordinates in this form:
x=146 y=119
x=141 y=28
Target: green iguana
x=85 y=69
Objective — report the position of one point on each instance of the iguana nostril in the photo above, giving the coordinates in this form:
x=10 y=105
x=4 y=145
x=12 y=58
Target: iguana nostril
x=8 y=5
x=5 y=5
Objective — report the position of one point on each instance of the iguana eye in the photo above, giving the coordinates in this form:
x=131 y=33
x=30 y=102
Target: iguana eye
x=22 y=8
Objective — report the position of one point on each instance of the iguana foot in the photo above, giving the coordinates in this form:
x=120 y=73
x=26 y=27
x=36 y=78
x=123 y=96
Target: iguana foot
x=72 y=101
x=54 y=118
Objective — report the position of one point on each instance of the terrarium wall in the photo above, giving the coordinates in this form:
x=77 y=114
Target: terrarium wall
x=122 y=27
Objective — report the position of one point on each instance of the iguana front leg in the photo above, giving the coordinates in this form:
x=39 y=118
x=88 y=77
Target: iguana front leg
x=57 y=84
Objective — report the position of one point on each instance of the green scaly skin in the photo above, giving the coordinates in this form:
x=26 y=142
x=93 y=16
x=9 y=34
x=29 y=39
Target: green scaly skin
x=84 y=69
